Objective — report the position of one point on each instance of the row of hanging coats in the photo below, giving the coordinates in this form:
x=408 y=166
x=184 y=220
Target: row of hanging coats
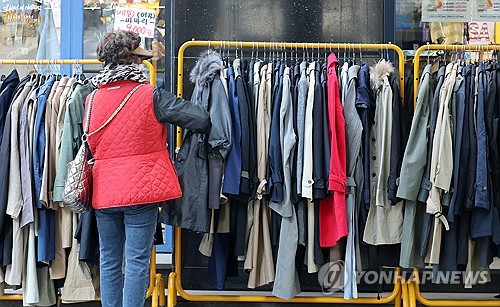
x=43 y=245
x=300 y=168
x=451 y=171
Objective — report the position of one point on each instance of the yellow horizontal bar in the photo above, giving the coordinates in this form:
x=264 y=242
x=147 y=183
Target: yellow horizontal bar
x=73 y=61
x=11 y=297
x=415 y=292
x=19 y=297
x=297 y=46
x=285 y=45
x=272 y=299
x=416 y=59
x=49 y=62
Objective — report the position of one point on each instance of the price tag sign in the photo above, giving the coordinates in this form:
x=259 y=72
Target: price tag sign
x=141 y=22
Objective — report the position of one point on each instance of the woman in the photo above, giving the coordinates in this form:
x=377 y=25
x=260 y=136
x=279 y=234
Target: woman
x=133 y=172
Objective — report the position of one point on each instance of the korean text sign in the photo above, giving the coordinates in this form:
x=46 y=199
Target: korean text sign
x=135 y=20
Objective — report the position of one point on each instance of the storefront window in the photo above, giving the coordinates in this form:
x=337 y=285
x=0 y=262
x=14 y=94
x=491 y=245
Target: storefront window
x=419 y=22
x=30 y=30
x=99 y=18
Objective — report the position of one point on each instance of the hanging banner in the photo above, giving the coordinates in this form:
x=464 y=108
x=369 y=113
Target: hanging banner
x=139 y=21
x=446 y=10
x=486 y=10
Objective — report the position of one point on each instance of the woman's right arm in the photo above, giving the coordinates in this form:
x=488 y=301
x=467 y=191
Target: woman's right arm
x=177 y=111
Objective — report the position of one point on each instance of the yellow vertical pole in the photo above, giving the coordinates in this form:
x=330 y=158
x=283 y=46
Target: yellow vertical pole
x=172 y=293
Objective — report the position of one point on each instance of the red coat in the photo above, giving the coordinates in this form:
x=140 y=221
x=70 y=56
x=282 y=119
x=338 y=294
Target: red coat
x=132 y=163
x=332 y=210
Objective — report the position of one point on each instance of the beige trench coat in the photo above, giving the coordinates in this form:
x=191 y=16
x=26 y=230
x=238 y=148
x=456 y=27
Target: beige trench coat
x=259 y=259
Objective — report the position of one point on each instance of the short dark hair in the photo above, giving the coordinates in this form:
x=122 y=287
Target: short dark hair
x=116 y=47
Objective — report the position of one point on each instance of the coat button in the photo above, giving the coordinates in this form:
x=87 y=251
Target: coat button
x=373 y=139
x=374 y=158
x=373 y=174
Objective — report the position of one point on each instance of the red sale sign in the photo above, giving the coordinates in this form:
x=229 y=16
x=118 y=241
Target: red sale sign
x=481 y=32
x=135 y=20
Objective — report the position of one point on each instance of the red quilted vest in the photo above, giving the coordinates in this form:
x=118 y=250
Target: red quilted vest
x=132 y=163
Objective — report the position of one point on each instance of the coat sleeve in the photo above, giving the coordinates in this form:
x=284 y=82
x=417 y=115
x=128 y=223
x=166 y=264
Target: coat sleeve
x=219 y=138
x=180 y=112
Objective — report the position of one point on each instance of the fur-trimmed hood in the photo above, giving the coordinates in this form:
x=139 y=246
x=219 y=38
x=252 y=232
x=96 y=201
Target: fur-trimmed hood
x=208 y=65
x=380 y=70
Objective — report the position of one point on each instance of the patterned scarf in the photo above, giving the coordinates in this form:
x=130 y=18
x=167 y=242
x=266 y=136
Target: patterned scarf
x=113 y=72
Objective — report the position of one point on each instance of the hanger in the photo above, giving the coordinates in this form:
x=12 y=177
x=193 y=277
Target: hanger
x=284 y=47
x=330 y=46
x=360 y=55
x=253 y=46
x=318 y=51
x=257 y=55
x=275 y=51
x=428 y=54
x=228 y=54
x=2 y=77
x=296 y=53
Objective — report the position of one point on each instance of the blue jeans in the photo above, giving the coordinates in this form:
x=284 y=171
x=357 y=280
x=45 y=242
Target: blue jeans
x=125 y=231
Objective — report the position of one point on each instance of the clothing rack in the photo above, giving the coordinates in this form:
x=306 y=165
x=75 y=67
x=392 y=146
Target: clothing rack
x=456 y=48
x=156 y=288
x=413 y=291
x=175 y=278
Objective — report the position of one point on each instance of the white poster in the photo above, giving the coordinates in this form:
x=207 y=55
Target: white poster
x=446 y=10
x=139 y=21
x=486 y=10
x=481 y=32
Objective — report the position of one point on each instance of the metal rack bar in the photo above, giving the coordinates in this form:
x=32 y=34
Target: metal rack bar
x=415 y=295
x=175 y=278
x=416 y=60
x=155 y=287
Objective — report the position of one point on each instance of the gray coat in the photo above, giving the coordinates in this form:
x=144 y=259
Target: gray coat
x=353 y=131
x=412 y=172
x=286 y=283
x=200 y=160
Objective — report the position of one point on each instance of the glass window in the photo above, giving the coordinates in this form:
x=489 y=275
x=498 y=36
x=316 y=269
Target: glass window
x=30 y=30
x=99 y=18
x=411 y=32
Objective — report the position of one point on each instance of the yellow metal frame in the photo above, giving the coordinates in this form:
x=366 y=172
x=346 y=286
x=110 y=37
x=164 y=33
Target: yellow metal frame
x=416 y=60
x=174 y=279
x=415 y=295
x=156 y=288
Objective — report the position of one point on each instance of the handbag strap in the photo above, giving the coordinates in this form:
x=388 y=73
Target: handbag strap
x=87 y=115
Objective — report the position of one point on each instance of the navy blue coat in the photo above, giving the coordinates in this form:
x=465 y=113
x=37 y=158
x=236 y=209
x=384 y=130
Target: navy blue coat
x=232 y=170
x=6 y=92
x=275 y=180
x=6 y=222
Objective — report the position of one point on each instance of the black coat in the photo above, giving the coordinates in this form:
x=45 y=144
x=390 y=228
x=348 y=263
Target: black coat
x=6 y=92
x=6 y=222
x=200 y=159
x=397 y=140
x=321 y=160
